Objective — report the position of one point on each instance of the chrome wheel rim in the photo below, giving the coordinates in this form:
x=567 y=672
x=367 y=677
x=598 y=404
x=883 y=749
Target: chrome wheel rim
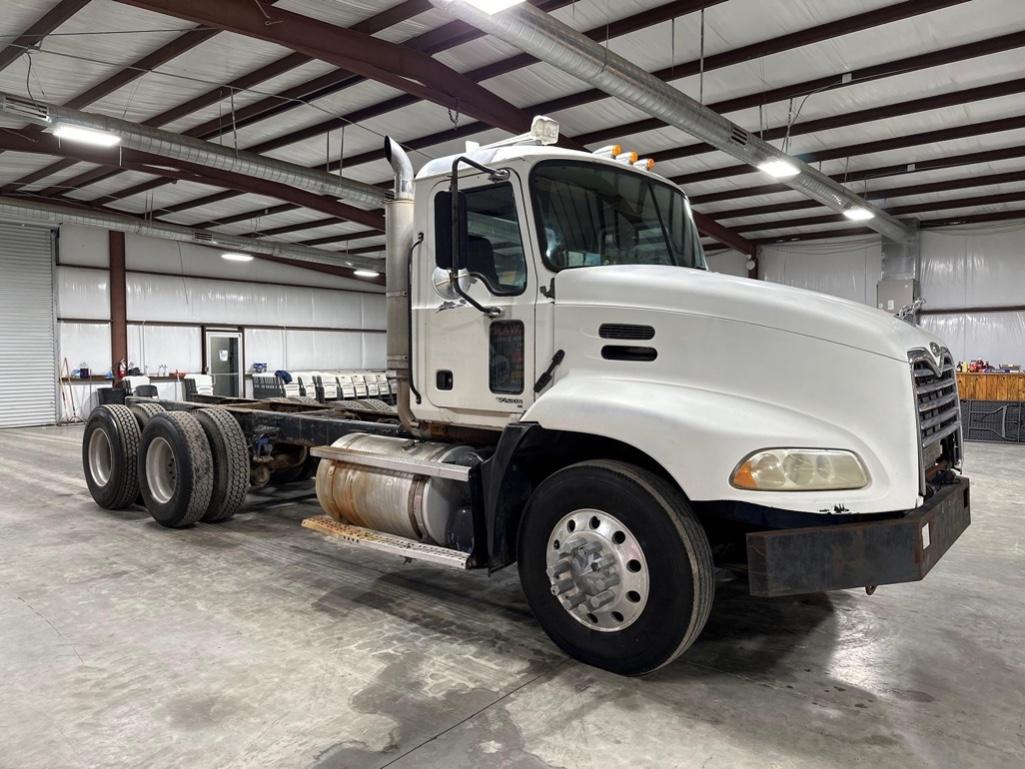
x=161 y=470
x=597 y=570
x=101 y=457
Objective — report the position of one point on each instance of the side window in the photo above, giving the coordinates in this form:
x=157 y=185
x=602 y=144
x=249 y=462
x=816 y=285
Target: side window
x=495 y=249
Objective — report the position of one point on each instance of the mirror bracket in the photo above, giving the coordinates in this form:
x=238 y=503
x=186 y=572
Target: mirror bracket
x=495 y=175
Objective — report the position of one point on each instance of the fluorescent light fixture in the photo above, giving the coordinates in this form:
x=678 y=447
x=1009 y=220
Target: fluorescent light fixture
x=235 y=256
x=366 y=274
x=493 y=6
x=74 y=133
x=778 y=168
x=858 y=214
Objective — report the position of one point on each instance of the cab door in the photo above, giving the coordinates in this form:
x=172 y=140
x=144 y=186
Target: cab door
x=473 y=362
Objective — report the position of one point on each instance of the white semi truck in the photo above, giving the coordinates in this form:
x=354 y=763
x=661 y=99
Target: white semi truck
x=579 y=395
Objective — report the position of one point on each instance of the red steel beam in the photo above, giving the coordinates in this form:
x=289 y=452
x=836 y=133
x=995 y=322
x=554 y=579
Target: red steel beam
x=953 y=55
x=870 y=147
x=915 y=208
x=961 y=183
x=122 y=77
x=946 y=221
x=395 y=65
x=900 y=169
x=154 y=164
x=803 y=37
x=871 y=114
x=376 y=23
x=118 y=299
x=442 y=38
x=43 y=26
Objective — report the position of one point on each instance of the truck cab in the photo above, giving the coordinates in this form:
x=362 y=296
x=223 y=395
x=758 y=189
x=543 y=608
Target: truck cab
x=576 y=393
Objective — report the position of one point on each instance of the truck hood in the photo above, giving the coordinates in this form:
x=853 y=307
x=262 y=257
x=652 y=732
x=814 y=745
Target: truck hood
x=742 y=300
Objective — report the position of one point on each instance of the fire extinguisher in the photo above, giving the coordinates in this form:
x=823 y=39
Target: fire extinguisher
x=122 y=369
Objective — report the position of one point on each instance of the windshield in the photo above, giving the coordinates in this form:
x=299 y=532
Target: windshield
x=592 y=214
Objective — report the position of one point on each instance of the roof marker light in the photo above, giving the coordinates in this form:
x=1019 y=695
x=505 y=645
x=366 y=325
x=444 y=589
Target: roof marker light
x=778 y=168
x=609 y=151
x=858 y=214
x=645 y=164
x=627 y=157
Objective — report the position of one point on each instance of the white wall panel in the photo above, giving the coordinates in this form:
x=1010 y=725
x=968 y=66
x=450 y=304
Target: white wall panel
x=82 y=293
x=728 y=263
x=264 y=345
x=374 y=351
x=206 y=301
x=997 y=337
x=374 y=312
x=85 y=344
x=150 y=254
x=973 y=267
x=177 y=347
x=849 y=269
x=84 y=246
x=327 y=350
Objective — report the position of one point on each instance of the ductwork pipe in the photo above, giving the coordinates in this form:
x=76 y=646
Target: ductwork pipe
x=56 y=215
x=398 y=218
x=175 y=146
x=546 y=38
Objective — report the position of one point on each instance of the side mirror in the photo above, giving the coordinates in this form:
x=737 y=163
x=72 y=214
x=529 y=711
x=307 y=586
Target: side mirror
x=446 y=214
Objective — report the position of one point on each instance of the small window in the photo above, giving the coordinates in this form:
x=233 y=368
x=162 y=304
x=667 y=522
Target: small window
x=495 y=248
x=506 y=359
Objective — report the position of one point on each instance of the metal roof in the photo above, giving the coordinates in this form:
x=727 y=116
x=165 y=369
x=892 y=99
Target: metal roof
x=921 y=97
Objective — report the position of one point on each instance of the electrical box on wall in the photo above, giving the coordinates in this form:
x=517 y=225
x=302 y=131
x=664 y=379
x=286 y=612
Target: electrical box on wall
x=891 y=295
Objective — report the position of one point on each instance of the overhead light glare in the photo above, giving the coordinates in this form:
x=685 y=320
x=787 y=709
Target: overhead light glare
x=235 y=256
x=74 y=133
x=366 y=274
x=778 y=168
x=858 y=214
x=493 y=6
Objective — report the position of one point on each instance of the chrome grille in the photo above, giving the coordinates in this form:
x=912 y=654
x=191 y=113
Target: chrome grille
x=937 y=408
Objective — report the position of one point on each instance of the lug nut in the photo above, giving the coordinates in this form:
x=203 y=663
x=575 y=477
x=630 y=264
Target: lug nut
x=602 y=599
x=575 y=600
x=560 y=587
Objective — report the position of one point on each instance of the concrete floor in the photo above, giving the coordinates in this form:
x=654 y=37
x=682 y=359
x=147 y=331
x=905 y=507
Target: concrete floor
x=260 y=644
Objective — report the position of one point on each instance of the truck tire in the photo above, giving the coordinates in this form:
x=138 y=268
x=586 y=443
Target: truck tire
x=175 y=469
x=110 y=455
x=144 y=412
x=231 y=463
x=615 y=566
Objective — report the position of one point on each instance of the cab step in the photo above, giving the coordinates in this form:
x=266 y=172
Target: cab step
x=445 y=470
x=388 y=543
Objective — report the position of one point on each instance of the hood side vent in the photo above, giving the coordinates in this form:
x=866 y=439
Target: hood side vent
x=625 y=331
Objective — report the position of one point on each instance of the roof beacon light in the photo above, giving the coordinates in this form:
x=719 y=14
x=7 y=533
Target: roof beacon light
x=491 y=7
x=858 y=214
x=645 y=164
x=236 y=256
x=74 y=133
x=629 y=158
x=544 y=130
x=778 y=168
x=609 y=151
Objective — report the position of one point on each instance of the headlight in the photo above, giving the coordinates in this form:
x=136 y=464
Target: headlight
x=800 y=470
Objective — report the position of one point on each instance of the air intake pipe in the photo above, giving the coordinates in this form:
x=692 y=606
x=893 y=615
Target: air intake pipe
x=398 y=221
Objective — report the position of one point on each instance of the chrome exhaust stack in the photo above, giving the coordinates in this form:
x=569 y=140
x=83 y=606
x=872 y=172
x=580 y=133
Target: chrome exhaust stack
x=398 y=217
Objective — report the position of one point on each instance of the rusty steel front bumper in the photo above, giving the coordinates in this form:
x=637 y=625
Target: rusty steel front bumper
x=867 y=553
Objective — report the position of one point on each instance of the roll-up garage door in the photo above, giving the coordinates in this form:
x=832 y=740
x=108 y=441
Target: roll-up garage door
x=28 y=375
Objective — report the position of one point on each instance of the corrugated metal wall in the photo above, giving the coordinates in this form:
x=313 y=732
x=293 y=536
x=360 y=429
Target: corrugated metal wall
x=28 y=369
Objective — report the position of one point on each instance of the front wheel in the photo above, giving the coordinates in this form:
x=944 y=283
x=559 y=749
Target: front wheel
x=615 y=566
